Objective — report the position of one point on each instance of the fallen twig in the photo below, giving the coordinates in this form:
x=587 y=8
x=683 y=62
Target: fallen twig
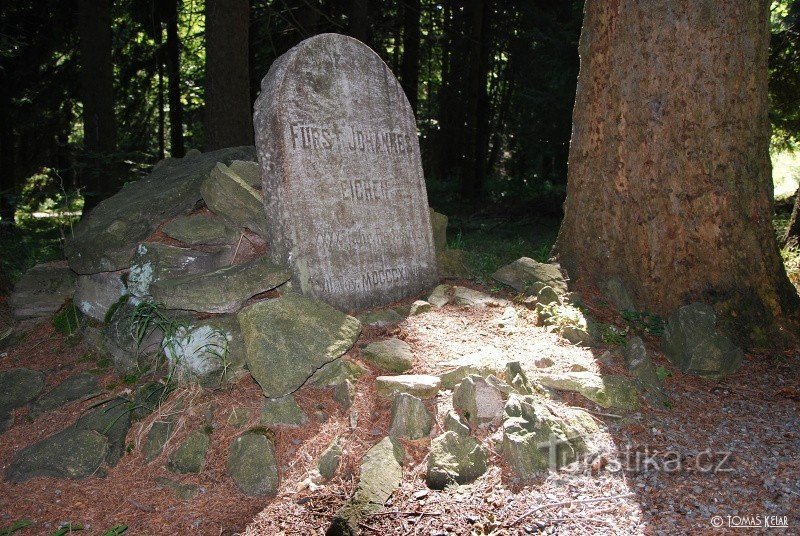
x=566 y=503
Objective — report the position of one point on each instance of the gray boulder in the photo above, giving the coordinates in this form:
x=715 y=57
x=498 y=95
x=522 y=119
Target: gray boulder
x=251 y=464
x=120 y=340
x=381 y=475
x=419 y=307
x=95 y=294
x=478 y=401
x=287 y=339
x=209 y=352
x=71 y=453
x=453 y=422
x=226 y=194
x=467 y=297
x=410 y=418
x=221 y=291
x=42 y=291
x=18 y=386
x=330 y=458
x=160 y=433
x=440 y=296
x=454 y=459
x=111 y=420
x=525 y=272
x=119 y=224
x=155 y=261
x=72 y=389
x=336 y=372
x=392 y=355
x=694 y=344
x=201 y=229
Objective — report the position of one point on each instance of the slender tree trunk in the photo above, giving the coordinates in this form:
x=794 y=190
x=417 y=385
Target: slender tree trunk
x=669 y=184
x=172 y=57
x=476 y=119
x=792 y=236
x=228 y=118
x=7 y=168
x=162 y=115
x=97 y=89
x=409 y=73
x=358 y=20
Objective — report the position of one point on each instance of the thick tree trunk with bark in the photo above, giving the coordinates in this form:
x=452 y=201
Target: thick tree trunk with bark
x=669 y=172
x=97 y=91
x=228 y=117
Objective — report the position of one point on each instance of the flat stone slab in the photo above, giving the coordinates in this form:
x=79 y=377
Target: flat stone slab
x=287 y=339
x=72 y=389
x=467 y=297
x=42 y=291
x=222 y=291
x=71 y=453
x=19 y=386
x=107 y=238
x=343 y=183
x=393 y=355
x=418 y=385
x=201 y=229
x=608 y=391
x=381 y=474
x=227 y=195
x=524 y=272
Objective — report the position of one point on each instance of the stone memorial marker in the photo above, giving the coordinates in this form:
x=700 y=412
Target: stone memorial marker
x=344 y=190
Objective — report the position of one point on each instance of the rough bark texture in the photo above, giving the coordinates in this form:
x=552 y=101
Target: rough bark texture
x=173 y=54
x=228 y=121
x=669 y=172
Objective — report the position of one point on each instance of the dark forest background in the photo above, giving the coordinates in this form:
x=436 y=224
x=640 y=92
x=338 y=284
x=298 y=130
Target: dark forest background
x=94 y=92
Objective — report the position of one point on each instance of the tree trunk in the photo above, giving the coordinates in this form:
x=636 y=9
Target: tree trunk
x=792 y=236
x=174 y=85
x=669 y=183
x=97 y=89
x=358 y=20
x=228 y=120
x=7 y=168
x=159 y=57
x=409 y=73
x=477 y=117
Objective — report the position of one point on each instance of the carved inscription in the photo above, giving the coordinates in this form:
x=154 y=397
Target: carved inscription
x=349 y=138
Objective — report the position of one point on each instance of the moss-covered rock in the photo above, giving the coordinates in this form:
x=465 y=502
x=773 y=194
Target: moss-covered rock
x=524 y=272
x=201 y=229
x=454 y=458
x=42 y=291
x=330 y=458
x=420 y=385
x=224 y=290
x=71 y=389
x=123 y=221
x=251 y=464
x=287 y=339
x=478 y=401
x=393 y=355
x=410 y=418
x=190 y=456
x=71 y=453
x=608 y=391
x=282 y=411
x=227 y=195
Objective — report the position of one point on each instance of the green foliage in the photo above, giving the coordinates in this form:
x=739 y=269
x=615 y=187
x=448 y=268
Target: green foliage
x=15 y=526
x=644 y=321
x=67 y=528
x=68 y=320
x=611 y=334
x=116 y=530
x=662 y=373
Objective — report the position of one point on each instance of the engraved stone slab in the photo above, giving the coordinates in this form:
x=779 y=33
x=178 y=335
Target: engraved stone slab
x=344 y=190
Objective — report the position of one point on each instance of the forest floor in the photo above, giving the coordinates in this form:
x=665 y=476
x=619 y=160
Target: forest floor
x=736 y=442
x=722 y=448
